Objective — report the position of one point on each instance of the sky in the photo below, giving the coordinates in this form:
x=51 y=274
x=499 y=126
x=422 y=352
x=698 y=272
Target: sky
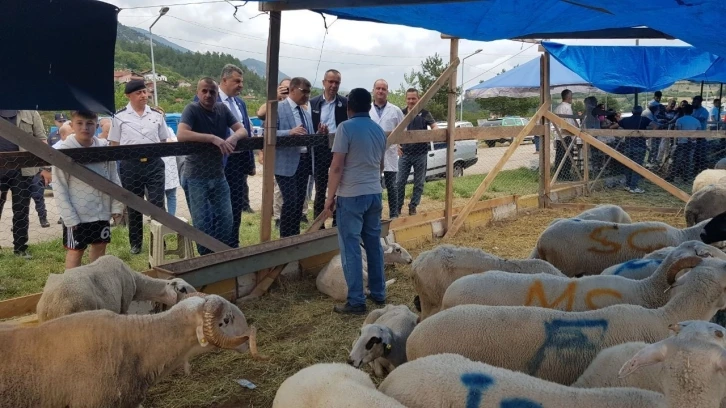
x=361 y=51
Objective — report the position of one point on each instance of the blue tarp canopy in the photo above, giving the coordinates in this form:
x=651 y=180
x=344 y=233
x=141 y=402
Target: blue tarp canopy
x=57 y=55
x=488 y=20
x=632 y=69
x=524 y=81
x=716 y=74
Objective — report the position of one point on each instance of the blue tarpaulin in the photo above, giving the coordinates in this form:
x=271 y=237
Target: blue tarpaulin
x=632 y=69
x=716 y=73
x=57 y=55
x=524 y=81
x=692 y=21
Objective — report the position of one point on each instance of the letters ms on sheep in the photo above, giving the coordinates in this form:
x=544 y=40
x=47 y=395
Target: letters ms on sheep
x=568 y=339
x=478 y=383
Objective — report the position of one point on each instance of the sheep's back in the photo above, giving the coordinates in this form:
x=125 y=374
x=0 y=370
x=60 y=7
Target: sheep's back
x=603 y=371
x=706 y=203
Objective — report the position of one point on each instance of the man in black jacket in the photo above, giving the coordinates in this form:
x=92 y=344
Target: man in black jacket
x=332 y=110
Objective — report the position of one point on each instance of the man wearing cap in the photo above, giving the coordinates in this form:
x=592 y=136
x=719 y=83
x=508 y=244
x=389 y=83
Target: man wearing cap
x=354 y=187
x=137 y=123
x=635 y=147
x=59 y=119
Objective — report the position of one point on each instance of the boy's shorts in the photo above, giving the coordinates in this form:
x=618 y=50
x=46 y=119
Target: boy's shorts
x=82 y=235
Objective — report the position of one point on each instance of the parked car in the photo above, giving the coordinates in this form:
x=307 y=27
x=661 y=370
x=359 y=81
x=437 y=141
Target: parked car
x=505 y=121
x=459 y=124
x=464 y=157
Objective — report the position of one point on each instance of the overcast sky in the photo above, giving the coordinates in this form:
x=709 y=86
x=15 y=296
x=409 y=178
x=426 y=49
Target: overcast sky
x=362 y=51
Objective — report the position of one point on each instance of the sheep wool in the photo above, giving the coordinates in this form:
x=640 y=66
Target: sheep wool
x=706 y=203
x=706 y=177
x=455 y=381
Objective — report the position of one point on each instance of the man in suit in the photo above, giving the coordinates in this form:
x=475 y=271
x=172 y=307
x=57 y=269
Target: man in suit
x=332 y=110
x=238 y=165
x=293 y=165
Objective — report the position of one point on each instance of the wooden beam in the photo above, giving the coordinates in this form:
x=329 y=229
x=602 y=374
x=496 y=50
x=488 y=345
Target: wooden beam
x=544 y=143
x=59 y=159
x=675 y=191
x=288 y=5
x=660 y=134
x=462 y=133
x=629 y=208
x=19 y=306
x=436 y=215
x=461 y=218
x=450 y=139
x=268 y=151
x=425 y=98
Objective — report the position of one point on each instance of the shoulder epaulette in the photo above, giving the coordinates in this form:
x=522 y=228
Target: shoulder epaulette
x=157 y=111
x=122 y=109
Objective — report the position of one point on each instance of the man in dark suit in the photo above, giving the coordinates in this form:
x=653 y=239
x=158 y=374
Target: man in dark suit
x=332 y=110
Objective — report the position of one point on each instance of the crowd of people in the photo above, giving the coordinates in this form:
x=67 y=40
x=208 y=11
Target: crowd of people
x=681 y=158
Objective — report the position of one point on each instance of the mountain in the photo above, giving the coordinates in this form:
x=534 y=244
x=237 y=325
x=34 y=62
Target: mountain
x=259 y=67
x=136 y=35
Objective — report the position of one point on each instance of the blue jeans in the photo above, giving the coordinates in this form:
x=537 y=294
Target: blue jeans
x=636 y=154
x=535 y=140
x=405 y=162
x=211 y=209
x=359 y=219
x=171 y=200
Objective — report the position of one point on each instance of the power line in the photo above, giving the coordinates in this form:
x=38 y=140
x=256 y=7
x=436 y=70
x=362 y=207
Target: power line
x=174 y=4
x=489 y=70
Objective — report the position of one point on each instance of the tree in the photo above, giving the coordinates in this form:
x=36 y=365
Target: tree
x=507 y=106
x=431 y=68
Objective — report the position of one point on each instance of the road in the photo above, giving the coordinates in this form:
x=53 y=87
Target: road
x=488 y=157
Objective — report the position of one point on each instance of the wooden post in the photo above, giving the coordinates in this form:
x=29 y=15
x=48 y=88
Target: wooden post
x=586 y=166
x=647 y=174
x=461 y=217
x=544 y=144
x=268 y=151
x=450 y=140
x=65 y=163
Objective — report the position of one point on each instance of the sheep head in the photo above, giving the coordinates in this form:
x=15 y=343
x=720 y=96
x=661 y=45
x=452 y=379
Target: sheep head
x=374 y=342
x=699 y=330
x=394 y=253
x=223 y=325
x=181 y=288
x=679 y=265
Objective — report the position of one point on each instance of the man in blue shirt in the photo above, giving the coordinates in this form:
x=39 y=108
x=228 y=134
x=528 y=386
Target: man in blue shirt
x=716 y=115
x=683 y=155
x=354 y=187
x=635 y=147
x=701 y=149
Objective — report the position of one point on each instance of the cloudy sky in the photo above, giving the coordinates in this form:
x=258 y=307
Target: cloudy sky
x=362 y=51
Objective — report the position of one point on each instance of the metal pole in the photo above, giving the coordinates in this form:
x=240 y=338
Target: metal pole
x=163 y=11
x=718 y=118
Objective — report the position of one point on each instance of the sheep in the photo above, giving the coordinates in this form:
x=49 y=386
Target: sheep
x=558 y=346
x=706 y=203
x=331 y=280
x=451 y=380
x=589 y=247
x=720 y=165
x=642 y=268
x=569 y=294
x=101 y=359
x=700 y=343
x=706 y=177
x=382 y=341
x=107 y=283
x=435 y=270
x=331 y=385
x=606 y=212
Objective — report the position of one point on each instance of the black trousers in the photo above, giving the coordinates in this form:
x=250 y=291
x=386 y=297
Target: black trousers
x=323 y=159
x=293 y=189
x=37 y=190
x=391 y=184
x=142 y=178
x=566 y=172
x=19 y=187
x=236 y=172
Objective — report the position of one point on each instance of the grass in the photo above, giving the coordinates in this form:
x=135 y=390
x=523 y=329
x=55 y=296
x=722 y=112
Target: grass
x=654 y=196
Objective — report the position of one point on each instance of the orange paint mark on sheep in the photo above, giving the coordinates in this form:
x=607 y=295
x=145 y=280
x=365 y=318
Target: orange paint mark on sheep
x=650 y=248
x=536 y=291
x=597 y=293
x=597 y=235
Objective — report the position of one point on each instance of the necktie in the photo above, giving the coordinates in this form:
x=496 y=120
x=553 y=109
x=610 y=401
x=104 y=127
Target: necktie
x=302 y=119
x=230 y=102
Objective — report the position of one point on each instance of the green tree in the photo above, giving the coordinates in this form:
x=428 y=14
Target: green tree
x=431 y=68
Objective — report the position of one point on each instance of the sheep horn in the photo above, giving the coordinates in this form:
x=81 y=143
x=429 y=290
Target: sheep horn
x=679 y=265
x=212 y=310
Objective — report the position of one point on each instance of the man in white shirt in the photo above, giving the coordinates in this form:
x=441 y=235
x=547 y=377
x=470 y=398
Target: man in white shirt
x=564 y=108
x=387 y=116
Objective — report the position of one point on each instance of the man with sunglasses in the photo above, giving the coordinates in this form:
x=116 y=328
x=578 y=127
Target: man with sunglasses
x=294 y=165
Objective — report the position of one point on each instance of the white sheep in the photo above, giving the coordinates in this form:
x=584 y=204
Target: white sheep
x=706 y=203
x=706 y=177
x=580 y=247
x=558 y=346
x=102 y=359
x=498 y=288
x=331 y=385
x=642 y=268
x=606 y=212
x=661 y=364
x=435 y=270
x=107 y=283
x=382 y=340
x=451 y=380
x=331 y=280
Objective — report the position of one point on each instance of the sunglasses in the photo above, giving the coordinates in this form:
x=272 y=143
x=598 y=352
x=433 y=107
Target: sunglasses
x=304 y=91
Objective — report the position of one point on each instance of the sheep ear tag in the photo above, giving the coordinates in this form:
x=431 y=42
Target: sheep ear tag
x=200 y=337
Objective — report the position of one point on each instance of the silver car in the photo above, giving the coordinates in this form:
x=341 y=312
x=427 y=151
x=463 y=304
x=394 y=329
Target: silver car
x=464 y=155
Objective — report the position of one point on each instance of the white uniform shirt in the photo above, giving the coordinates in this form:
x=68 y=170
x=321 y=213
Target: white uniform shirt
x=171 y=175
x=390 y=117
x=128 y=128
x=565 y=108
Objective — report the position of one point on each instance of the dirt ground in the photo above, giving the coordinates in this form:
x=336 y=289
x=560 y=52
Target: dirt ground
x=298 y=328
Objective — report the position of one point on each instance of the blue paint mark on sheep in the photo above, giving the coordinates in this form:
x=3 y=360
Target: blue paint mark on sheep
x=576 y=220
x=478 y=383
x=569 y=338
x=636 y=264
x=519 y=403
